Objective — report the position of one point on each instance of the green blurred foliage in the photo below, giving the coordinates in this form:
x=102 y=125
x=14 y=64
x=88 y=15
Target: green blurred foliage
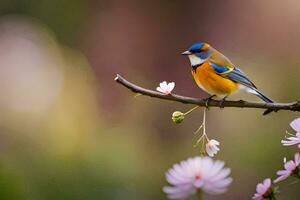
x=62 y=16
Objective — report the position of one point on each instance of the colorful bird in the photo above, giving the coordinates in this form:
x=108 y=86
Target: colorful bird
x=214 y=73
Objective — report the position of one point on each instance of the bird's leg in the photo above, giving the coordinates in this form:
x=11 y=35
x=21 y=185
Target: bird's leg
x=222 y=102
x=209 y=99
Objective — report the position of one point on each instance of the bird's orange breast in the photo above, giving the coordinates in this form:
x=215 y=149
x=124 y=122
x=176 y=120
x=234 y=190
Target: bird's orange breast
x=207 y=79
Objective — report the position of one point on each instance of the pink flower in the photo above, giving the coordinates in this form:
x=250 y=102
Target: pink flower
x=165 y=87
x=290 y=168
x=263 y=190
x=212 y=147
x=296 y=139
x=198 y=173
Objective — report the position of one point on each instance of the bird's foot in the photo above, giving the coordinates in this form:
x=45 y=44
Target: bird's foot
x=221 y=104
x=207 y=100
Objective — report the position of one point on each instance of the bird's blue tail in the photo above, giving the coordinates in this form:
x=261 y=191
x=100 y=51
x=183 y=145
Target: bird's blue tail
x=263 y=97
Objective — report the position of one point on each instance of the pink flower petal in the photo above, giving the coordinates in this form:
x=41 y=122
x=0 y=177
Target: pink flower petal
x=267 y=182
x=222 y=174
x=290 y=165
x=260 y=188
x=282 y=172
x=289 y=143
x=199 y=183
x=296 y=124
x=179 y=192
x=281 y=178
x=163 y=84
x=293 y=139
x=257 y=197
x=223 y=183
x=160 y=90
x=171 y=86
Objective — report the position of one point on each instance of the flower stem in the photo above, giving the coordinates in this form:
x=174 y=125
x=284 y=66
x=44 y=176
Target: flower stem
x=204 y=121
x=199 y=195
x=188 y=112
x=272 y=198
x=203 y=137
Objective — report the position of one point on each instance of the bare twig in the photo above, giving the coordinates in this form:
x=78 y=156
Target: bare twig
x=293 y=106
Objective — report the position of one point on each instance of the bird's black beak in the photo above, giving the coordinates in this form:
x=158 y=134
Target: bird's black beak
x=186 y=53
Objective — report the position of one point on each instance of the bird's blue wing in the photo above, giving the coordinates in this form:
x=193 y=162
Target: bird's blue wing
x=238 y=76
x=220 y=69
x=233 y=74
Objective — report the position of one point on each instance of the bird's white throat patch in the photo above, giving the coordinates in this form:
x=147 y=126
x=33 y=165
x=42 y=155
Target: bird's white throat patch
x=195 y=60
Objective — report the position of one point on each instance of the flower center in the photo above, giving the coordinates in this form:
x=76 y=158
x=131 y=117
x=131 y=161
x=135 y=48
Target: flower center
x=268 y=193
x=197 y=177
x=296 y=172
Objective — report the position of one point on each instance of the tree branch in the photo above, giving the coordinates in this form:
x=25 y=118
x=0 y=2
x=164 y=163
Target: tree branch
x=294 y=106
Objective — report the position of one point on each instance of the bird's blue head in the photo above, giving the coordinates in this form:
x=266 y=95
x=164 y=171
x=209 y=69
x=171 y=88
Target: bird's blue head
x=198 y=53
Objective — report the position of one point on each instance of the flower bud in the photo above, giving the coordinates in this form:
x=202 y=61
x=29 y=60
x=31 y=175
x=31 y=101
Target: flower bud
x=177 y=117
x=212 y=147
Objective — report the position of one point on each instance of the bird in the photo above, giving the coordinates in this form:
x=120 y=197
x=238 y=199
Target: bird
x=217 y=75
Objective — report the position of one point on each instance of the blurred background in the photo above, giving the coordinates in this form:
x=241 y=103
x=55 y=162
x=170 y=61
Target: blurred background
x=68 y=131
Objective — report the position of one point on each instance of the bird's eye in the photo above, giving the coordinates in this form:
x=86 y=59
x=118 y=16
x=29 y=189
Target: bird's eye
x=196 y=50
